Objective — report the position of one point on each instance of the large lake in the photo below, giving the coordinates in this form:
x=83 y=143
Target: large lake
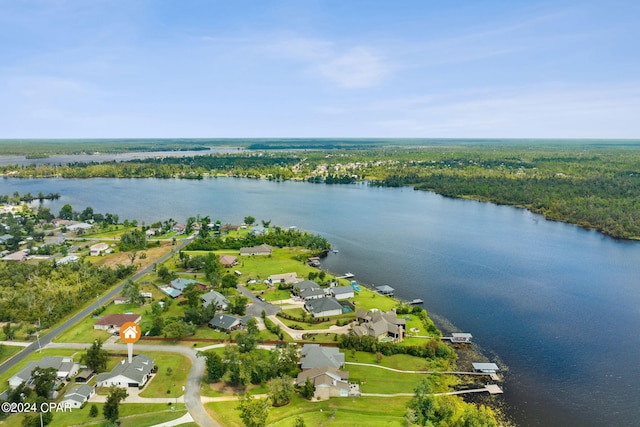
x=559 y=305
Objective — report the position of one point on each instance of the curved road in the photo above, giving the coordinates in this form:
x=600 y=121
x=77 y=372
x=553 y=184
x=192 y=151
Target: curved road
x=192 y=390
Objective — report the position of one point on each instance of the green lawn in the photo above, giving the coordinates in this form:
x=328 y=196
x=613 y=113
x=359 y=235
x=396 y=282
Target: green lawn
x=8 y=351
x=397 y=361
x=164 y=381
x=367 y=299
x=378 y=380
x=338 y=412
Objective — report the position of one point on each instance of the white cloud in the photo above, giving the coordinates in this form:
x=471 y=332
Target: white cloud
x=349 y=67
x=536 y=112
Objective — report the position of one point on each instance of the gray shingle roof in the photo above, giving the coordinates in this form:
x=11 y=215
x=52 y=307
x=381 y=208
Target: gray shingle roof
x=321 y=305
x=139 y=367
x=315 y=356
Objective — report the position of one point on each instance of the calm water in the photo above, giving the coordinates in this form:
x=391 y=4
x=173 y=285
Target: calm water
x=99 y=158
x=558 y=304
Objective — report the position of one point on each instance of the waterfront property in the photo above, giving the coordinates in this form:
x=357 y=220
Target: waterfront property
x=125 y=374
x=385 y=290
x=379 y=324
x=305 y=285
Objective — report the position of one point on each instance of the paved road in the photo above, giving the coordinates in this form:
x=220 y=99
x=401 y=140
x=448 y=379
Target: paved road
x=257 y=306
x=47 y=338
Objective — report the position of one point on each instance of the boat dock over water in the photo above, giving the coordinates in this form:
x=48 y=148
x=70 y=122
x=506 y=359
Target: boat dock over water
x=346 y=276
x=416 y=301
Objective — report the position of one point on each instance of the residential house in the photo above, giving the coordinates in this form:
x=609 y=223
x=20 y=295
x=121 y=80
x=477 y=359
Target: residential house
x=120 y=300
x=259 y=230
x=305 y=285
x=5 y=238
x=263 y=249
x=323 y=307
x=227 y=322
x=181 y=284
x=125 y=374
x=172 y=292
x=153 y=232
x=286 y=278
x=65 y=368
x=19 y=256
x=315 y=356
x=98 y=249
x=78 y=396
x=79 y=226
x=67 y=259
x=314 y=293
x=327 y=381
x=221 y=302
x=342 y=292
x=115 y=321
x=178 y=228
x=228 y=261
x=379 y=324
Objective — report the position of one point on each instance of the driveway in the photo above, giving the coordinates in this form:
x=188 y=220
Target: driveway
x=257 y=306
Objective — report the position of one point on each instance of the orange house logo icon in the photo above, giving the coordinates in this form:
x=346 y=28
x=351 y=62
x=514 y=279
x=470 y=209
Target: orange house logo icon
x=130 y=332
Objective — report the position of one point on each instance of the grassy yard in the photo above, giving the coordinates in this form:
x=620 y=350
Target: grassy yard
x=165 y=380
x=377 y=380
x=397 y=361
x=367 y=299
x=336 y=412
x=8 y=351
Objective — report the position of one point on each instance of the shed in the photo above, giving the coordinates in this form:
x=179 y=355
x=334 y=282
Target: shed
x=487 y=368
x=385 y=290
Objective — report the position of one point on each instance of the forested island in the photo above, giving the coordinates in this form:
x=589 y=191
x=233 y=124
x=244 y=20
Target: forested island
x=593 y=184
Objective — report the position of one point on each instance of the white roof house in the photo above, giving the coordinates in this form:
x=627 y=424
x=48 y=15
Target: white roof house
x=77 y=396
x=342 y=292
x=126 y=374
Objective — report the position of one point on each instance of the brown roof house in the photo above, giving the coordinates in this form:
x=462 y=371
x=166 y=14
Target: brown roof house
x=327 y=381
x=263 y=249
x=115 y=321
x=228 y=261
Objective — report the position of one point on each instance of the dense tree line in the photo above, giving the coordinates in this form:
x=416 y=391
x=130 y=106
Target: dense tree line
x=276 y=237
x=594 y=185
x=432 y=348
x=48 y=292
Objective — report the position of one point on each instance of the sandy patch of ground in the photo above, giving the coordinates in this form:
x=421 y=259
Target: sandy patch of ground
x=153 y=254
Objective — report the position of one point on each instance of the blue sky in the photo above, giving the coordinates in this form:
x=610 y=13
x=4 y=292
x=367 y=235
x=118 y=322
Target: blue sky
x=302 y=68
